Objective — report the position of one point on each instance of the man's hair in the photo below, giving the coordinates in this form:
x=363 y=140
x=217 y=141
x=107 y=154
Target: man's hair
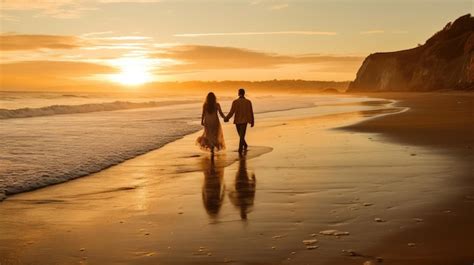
x=241 y=92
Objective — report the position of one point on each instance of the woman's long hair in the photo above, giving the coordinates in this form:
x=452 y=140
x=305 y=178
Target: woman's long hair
x=211 y=103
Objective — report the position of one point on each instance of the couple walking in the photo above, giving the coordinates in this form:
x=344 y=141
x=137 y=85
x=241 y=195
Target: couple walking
x=213 y=139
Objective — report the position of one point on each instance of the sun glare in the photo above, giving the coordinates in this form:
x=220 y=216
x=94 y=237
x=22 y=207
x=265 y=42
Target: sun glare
x=133 y=71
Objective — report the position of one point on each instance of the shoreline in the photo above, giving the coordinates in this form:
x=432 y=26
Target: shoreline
x=313 y=180
x=8 y=191
x=424 y=104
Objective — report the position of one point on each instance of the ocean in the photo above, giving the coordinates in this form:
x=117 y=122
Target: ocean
x=49 y=138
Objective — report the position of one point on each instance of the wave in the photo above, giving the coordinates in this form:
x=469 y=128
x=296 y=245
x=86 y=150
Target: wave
x=83 y=163
x=84 y=108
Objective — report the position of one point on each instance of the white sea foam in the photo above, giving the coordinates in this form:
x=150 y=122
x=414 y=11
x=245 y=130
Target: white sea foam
x=83 y=108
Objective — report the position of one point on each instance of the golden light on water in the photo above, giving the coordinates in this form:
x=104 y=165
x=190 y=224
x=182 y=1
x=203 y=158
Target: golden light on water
x=133 y=71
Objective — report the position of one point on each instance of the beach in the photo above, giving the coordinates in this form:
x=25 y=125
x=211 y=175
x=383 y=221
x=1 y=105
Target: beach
x=382 y=178
x=443 y=122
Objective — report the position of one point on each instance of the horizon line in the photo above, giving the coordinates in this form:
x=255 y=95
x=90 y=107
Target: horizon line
x=252 y=33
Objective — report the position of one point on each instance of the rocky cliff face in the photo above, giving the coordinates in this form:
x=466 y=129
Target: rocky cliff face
x=445 y=61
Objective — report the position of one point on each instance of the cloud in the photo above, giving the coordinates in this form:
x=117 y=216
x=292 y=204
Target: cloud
x=119 y=38
x=97 y=42
x=64 y=9
x=14 y=42
x=253 y=33
x=37 y=4
x=98 y=33
x=6 y=17
x=370 y=32
x=200 y=57
x=51 y=8
x=55 y=68
x=269 y=4
x=279 y=7
x=48 y=74
x=122 y=46
x=90 y=41
x=255 y=2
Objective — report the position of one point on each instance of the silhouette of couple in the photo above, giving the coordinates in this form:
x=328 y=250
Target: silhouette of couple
x=213 y=139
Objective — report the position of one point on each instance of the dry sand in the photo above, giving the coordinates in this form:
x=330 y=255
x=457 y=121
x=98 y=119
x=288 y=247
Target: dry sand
x=307 y=192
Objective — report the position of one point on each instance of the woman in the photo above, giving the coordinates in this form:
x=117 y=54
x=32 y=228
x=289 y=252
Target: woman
x=212 y=138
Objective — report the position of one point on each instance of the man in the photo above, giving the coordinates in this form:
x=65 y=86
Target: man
x=242 y=108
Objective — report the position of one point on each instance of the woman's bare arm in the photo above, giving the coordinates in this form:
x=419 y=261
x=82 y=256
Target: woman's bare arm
x=202 y=115
x=220 y=111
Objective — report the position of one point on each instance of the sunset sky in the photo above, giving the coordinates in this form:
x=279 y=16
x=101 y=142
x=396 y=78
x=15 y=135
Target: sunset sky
x=66 y=43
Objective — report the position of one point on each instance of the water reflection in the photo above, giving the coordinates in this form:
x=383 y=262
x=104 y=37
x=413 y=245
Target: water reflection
x=243 y=194
x=213 y=188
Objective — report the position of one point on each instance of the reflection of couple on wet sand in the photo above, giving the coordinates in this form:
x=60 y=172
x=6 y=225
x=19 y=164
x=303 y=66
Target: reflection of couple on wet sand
x=213 y=139
x=213 y=191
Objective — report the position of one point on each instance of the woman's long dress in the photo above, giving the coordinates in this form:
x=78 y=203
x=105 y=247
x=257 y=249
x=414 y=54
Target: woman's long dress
x=212 y=139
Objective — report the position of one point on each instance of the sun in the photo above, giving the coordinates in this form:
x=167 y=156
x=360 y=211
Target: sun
x=133 y=71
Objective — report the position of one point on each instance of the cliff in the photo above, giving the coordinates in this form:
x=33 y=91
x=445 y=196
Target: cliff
x=445 y=61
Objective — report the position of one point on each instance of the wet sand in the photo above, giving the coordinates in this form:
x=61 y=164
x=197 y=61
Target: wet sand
x=304 y=174
x=443 y=122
